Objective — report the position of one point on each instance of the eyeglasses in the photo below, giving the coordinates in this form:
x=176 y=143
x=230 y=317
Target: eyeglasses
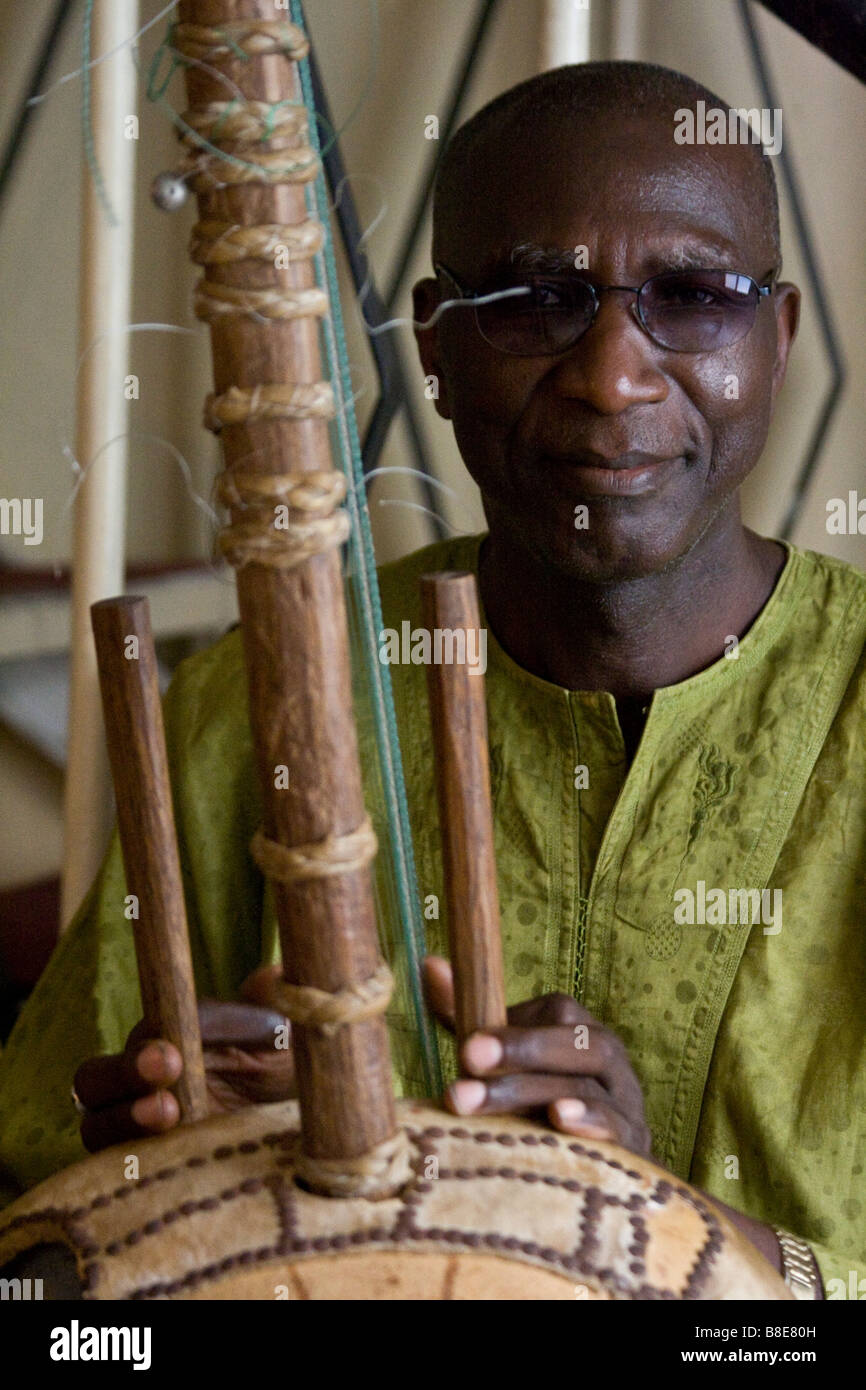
x=539 y=315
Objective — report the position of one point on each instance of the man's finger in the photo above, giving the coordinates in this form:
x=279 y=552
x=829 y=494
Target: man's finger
x=519 y=1094
x=255 y=1077
x=258 y=987
x=439 y=988
x=584 y=1111
x=549 y=1009
x=580 y=1048
x=599 y=1121
x=151 y=1114
x=249 y=1026
x=102 y=1081
x=577 y=1105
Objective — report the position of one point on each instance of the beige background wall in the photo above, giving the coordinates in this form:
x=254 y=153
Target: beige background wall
x=383 y=80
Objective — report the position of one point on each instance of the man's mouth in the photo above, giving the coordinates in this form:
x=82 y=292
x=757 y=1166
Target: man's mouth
x=623 y=475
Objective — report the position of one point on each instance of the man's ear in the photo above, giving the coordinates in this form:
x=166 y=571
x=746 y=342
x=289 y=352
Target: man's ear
x=786 y=301
x=426 y=298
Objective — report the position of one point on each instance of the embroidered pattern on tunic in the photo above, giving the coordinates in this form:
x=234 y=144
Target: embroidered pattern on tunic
x=714 y=784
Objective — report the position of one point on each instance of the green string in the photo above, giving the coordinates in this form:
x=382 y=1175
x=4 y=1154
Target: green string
x=174 y=58
x=366 y=593
x=238 y=51
x=87 y=119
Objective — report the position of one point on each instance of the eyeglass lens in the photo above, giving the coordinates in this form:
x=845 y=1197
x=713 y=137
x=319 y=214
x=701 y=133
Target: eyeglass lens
x=686 y=311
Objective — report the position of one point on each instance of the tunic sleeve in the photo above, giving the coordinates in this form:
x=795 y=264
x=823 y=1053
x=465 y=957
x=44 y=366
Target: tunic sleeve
x=85 y=1003
x=843 y=1275
x=87 y=999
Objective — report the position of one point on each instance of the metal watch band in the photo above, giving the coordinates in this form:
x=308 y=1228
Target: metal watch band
x=798 y=1266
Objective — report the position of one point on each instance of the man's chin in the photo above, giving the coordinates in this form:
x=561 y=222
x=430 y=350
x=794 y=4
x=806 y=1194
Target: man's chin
x=609 y=559
x=620 y=543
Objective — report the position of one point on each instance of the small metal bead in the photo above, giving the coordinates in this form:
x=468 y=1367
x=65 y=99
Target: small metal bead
x=169 y=192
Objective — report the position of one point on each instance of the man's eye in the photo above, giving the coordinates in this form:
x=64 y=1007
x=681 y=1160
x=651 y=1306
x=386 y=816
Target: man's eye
x=547 y=296
x=690 y=297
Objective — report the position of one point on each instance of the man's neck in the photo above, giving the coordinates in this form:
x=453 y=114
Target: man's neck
x=632 y=637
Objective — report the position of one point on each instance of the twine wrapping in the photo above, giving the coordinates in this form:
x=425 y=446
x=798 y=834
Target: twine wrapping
x=283 y=401
x=244 y=123
x=377 y=1173
x=327 y=1010
x=247 y=121
x=319 y=491
x=221 y=243
x=260 y=539
x=261 y=543
x=207 y=172
x=239 y=38
x=335 y=854
x=213 y=302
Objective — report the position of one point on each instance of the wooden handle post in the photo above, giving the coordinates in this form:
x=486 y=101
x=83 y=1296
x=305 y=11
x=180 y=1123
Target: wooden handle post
x=139 y=765
x=459 y=718
x=293 y=619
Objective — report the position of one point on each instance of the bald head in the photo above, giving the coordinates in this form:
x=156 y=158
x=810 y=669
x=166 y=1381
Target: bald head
x=547 y=119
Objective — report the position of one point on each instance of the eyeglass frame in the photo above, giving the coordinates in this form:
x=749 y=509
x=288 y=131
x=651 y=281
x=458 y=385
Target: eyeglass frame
x=473 y=296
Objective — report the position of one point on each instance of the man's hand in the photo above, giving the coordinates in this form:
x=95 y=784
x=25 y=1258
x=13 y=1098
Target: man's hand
x=126 y=1097
x=553 y=1057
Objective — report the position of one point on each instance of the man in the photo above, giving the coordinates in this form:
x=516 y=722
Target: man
x=676 y=705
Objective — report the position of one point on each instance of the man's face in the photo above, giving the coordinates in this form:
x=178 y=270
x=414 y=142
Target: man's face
x=537 y=432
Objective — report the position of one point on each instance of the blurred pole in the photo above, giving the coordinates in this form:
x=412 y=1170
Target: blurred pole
x=564 y=33
x=626 y=34
x=101 y=416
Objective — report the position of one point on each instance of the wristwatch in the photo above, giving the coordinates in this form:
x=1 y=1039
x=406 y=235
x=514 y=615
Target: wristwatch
x=799 y=1268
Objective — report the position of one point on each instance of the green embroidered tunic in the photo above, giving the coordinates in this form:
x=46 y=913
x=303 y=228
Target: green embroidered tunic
x=625 y=884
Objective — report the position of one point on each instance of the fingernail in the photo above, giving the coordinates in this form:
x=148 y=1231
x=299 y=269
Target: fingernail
x=154 y=1061
x=151 y=1056
x=467 y=1096
x=141 y=1108
x=570 y=1111
x=482 y=1052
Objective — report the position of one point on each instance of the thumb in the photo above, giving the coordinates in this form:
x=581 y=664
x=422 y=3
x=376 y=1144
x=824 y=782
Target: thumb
x=258 y=988
x=439 y=987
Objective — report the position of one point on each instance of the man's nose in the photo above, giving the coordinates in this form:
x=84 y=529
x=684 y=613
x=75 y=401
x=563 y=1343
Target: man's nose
x=615 y=364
